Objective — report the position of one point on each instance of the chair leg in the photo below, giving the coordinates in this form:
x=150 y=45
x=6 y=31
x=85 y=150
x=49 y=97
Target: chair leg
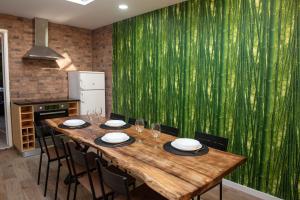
x=40 y=165
x=69 y=188
x=46 y=182
x=75 y=191
x=221 y=191
x=57 y=179
x=112 y=196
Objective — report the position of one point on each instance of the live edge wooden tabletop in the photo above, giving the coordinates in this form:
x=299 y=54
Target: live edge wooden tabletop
x=175 y=177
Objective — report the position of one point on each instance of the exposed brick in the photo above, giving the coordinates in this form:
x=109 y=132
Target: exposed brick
x=35 y=79
x=102 y=59
x=28 y=78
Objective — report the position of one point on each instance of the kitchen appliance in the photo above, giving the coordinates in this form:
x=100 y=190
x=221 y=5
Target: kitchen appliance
x=40 y=50
x=89 y=88
x=48 y=111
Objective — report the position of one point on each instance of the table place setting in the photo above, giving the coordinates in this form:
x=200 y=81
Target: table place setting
x=115 y=125
x=74 y=124
x=156 y=145
x=186 y=147
x=114 y=139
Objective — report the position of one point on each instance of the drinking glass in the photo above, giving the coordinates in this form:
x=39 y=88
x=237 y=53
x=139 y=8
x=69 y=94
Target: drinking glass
x=95 y=115
x=139 y=126
x=99 y=114
x=89 y=115
x=155 y=130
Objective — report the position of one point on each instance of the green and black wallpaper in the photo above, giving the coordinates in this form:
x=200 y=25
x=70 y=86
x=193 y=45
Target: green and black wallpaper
x=226 y=67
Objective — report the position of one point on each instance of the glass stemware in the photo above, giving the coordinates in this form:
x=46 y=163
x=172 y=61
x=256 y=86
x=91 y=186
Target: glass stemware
x=99 y=115
x=92 y=115
x=95 y=115
x=139 y=126
x=89 y=115
x=156 y=131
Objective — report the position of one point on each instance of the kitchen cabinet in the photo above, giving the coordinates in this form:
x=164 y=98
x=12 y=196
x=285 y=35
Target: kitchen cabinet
x=23 y=130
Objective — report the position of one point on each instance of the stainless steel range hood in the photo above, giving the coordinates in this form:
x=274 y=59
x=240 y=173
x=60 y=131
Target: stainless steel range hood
x=40 y=50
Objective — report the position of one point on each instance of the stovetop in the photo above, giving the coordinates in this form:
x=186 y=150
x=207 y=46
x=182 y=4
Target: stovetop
x=42 y=101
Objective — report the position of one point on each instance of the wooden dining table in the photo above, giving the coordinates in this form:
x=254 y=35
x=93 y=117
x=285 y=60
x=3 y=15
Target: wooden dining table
x=173 y=176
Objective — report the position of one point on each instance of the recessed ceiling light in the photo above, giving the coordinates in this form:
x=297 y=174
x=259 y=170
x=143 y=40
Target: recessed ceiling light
x=81 y=2
x=123 y=7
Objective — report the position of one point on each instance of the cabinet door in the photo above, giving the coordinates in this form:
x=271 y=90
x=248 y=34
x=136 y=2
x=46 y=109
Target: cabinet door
x=92 y=81
x=92 y=100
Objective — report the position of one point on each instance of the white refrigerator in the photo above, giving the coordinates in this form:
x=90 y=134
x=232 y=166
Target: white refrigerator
x=89 y=88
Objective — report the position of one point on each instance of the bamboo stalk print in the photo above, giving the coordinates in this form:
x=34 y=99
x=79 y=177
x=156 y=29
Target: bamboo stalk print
x=227 y=67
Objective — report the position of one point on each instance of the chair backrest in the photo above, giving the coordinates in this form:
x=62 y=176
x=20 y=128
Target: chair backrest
x=78 y=159
x=67 y=154
x=132 y=121
x=39 y=135
x=169 y=130
x=40 y=131
x=213 y=141
x=117 y=116
x=115 y=181
x=58 y=142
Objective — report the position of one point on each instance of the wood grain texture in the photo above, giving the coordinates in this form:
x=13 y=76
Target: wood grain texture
x=22 y=173
x=175 y=177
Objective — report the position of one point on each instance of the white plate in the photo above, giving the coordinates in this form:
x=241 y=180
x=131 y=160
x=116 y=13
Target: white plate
x=74 y=122
x=115 y=123
x=115 y=137
x=186 y=144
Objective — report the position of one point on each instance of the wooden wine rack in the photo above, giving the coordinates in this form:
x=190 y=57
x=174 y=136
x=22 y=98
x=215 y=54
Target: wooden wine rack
x=73 y=108
x=23 y=124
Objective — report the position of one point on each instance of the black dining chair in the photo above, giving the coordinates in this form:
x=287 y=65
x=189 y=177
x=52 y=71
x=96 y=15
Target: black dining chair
x=215 y=142
x=117 y=116
x=83 y=170
x=54 y=152
x=116 y=186
x=85 y=161
x=132 y=121
x=169 y=130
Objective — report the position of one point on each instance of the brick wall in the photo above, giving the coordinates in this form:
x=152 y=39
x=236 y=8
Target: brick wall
x=28 y=78
x=102 y=59
x=83 y=49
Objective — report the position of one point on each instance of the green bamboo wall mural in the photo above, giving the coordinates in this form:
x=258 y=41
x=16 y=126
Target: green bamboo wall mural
x=227 y=67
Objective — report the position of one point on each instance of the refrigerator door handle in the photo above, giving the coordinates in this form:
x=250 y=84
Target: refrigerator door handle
x=80 y=83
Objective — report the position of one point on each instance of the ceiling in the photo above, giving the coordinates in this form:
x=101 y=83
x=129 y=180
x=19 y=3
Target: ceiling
x=96 y=14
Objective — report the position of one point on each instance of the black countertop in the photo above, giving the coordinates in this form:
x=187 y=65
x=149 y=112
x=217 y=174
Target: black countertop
x=42 y=101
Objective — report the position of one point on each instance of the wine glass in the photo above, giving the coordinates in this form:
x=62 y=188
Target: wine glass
x=139 y=126
x=95 y=115
x=89 y=115
x=99 y=114
x=155 y=130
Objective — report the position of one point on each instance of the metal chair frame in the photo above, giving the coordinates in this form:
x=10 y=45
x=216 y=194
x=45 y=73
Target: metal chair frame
x=216 y=142
x=45 y=149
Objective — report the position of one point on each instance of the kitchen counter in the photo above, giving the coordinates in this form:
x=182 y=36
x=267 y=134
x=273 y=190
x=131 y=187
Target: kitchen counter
x=41 y=101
